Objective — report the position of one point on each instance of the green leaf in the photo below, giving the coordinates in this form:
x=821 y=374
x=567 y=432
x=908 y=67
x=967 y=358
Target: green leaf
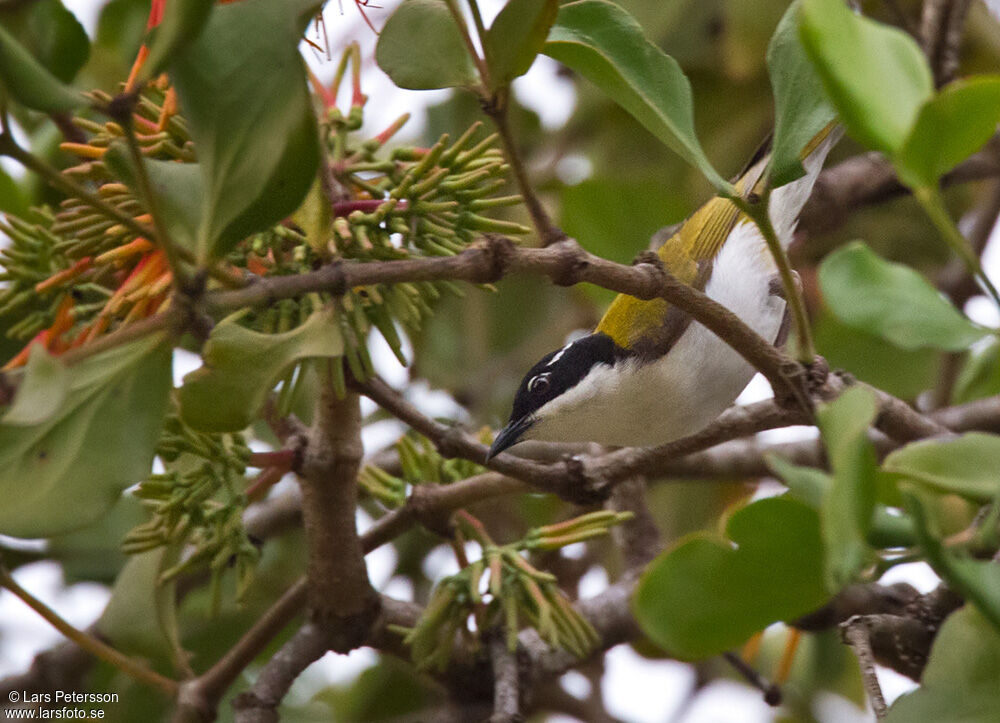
x=94 y=553
x=516 y=37
x=176 y=186
x=978 y=581
x=705 y=595
x=950 y=127
x=965 y=465
x=421 y=48
x=12 y=198
x=846 y=514
x=242 y=87
x=43 y=390
x=30 y=83
x=980 y=375
x=892 y=301
x=810 y=485
x=242 y=366
x=904 y=373
x=801 y=110
x=874 y=75
x=51 y=33
x=959 y=684
x=603 y=43
x=183 y=21
x=138 y=619
x=67 y=470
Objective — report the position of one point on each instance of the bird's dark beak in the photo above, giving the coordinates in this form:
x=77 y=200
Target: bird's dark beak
x=509 y=435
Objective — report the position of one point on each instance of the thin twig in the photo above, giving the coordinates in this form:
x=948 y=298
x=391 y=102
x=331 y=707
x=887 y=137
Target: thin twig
x=260 y=703
x=9 y=147
x=771 y=691
x=855 y=634
x=92 y=645
x=548 y=232
x=941 y=28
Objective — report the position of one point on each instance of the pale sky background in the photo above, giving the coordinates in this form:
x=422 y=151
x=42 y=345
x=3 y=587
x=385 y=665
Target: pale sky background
x=636 y=690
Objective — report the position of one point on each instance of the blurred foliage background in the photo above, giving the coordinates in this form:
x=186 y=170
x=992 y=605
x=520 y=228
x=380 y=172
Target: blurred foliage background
x=610 y=185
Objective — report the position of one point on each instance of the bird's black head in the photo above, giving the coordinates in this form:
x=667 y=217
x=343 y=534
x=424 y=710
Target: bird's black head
x=555 y=374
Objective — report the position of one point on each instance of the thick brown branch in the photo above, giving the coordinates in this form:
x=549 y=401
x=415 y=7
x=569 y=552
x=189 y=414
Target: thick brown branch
x=341 y=598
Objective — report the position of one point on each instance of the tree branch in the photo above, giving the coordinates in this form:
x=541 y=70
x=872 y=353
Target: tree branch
x=506 y=688
x=855 y=634
x=260 y=703
x=341 y=598
x=565 y=263
x=868 y=179
x=942 y=25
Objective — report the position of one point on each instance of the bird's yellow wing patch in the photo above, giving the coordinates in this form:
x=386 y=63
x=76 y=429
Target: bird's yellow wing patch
x=633 y=323
x=630 y=321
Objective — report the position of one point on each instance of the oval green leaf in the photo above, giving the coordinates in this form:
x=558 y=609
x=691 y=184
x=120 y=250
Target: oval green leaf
x=846 y=514
x=65 y=471
x=242 y=366
x=705 y=595
x=30 y=83
x=603 y=43
x=892 y=301
x=421 y=48
x=242 y=87
x=183 y=21
x=516 y=37
x=51 y=33
x=960 y=680
x=978 y=581
x=980 y=375
x=950 y=127
x=43 y=390
x=177 y=188
x=875 y=76
x=968 y=465
x=801 y=109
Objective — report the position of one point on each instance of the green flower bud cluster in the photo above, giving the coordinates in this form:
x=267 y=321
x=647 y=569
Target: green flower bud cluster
x=501 y=589
x=197 y=505
x=50 y=242
x=415 y=203
x=420 y=463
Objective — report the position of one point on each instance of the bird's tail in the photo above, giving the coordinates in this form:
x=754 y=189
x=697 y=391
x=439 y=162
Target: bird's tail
x=788 y=200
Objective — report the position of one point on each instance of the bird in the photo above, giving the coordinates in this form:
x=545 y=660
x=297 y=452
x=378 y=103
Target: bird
x=648 y=374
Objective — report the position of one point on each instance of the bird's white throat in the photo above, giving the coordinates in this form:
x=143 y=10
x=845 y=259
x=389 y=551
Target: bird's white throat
x=635 y=404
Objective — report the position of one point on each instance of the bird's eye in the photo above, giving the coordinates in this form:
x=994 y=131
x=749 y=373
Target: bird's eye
x=539 y=384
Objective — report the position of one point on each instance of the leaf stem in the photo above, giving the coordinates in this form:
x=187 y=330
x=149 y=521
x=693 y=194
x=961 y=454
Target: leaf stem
x=931 y=201
x=9 y=147
x=463 y=29
x=477 y=18
x=760 y=214
x=92 y=645
x=163 y=239
x=547 y=231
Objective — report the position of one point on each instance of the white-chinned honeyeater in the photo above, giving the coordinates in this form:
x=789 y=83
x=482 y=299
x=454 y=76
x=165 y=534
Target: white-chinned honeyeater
x=648 y=374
